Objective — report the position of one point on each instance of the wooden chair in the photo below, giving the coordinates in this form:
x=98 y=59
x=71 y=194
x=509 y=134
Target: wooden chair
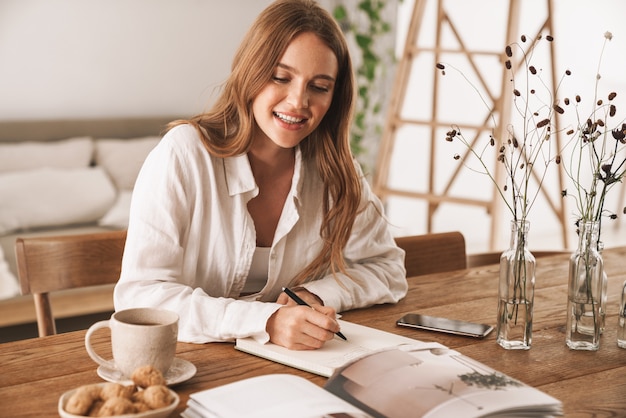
x=483 y=259
x=433 y=253
x=49 y=263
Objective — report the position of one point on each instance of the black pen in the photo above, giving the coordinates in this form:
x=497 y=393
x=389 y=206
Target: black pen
x=299 y=301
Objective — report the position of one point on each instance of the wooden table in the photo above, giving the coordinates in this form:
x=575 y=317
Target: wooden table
x=34 y=373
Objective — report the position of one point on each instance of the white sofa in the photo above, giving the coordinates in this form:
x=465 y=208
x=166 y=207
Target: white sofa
x=62 y=177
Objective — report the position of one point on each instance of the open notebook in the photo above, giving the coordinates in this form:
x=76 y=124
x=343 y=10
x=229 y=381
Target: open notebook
x=361 y=340
x=411 y=381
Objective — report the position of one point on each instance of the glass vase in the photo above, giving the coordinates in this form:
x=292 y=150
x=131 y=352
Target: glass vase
x=605 y=283
x=586 y=291
x=516 y=291
x=621 y=319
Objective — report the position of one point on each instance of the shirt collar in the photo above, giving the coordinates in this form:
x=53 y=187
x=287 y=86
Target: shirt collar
x=239 y=177
x=296 y=182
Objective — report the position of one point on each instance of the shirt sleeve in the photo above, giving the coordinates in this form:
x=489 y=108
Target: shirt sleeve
x=203 y=318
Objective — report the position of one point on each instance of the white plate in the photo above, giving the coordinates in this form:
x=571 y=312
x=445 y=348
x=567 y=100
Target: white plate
x=155 y=413
x=180 y=371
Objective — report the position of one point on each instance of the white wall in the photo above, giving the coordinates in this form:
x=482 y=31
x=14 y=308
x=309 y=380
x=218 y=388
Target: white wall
x=98 y=58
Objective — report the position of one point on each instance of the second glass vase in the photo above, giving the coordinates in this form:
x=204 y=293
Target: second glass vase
x=516 y=291
x=586 y=291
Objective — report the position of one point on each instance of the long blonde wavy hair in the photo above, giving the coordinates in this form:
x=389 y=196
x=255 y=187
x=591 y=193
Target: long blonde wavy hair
x=227 y=128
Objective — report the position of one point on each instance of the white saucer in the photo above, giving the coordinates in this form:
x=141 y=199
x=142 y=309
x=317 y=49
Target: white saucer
x=180 y=371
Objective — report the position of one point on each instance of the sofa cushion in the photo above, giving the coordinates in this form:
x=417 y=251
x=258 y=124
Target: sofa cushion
x=68 y=153
x=122 y=158
x=117 y=216
x=8 y=281
x=53 y=196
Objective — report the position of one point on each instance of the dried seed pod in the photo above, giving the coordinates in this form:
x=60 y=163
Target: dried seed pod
x=543 y=123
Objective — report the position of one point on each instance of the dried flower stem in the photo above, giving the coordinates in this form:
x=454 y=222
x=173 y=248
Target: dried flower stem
x=596 y=163
x=519 y=157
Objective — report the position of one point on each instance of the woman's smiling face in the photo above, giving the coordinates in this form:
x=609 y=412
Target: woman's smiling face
x=293 y=103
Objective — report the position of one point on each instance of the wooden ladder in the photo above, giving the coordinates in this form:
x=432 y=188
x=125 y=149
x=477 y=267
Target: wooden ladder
x=500 y=112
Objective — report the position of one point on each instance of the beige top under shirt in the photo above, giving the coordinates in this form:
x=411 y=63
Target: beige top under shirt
x=257 y=277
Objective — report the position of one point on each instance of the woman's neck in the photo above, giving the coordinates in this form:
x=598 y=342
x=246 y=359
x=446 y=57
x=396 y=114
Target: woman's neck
x=268 y=160
x=273 y=169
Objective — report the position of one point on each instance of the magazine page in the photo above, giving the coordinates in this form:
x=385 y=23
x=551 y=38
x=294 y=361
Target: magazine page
x=435 y=383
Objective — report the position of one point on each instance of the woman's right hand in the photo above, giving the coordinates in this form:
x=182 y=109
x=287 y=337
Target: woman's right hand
x=298 y=327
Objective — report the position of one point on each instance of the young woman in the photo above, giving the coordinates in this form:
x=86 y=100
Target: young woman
x=261 y=193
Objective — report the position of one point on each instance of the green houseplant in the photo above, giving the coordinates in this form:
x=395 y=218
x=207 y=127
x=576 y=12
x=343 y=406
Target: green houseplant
x=367 y=26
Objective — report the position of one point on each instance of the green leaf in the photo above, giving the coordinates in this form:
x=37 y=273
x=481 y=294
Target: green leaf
x=370 y=68
x=359 y=120
x=363 y=41
x=340 y=13
x=366 y=6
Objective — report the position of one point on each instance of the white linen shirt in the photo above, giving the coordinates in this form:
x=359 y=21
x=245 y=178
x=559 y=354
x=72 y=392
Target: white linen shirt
x=191 y=240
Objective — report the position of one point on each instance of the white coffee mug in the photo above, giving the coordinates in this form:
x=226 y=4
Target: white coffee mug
x=139 y=337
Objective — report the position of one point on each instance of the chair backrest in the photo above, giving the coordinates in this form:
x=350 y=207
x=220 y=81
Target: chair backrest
x=50 y=263
x=433 y=253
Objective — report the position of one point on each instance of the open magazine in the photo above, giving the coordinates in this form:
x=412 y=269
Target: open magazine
x=408 y=381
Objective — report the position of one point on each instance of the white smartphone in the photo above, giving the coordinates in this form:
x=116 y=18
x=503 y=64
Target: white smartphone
x=450 y=326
